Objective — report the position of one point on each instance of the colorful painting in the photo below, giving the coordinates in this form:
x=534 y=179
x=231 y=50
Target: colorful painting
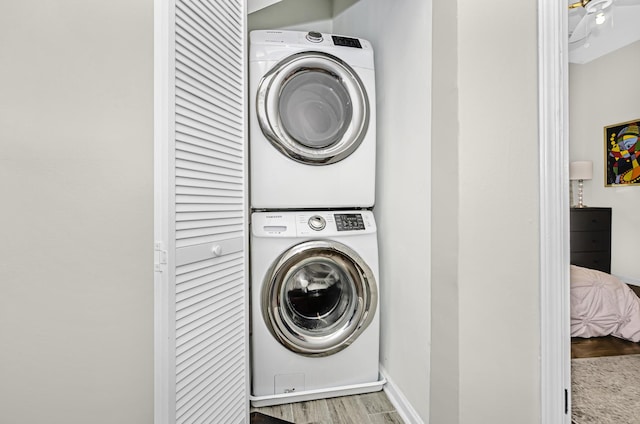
x=622 y=147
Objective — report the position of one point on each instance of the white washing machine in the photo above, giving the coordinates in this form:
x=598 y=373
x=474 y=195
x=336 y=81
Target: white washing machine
x=314 y=305
x=312 y=121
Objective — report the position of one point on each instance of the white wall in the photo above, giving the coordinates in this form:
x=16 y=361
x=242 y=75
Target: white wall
x=76 y=189
x=499 y=319
x=400 y=33
x=603 y=93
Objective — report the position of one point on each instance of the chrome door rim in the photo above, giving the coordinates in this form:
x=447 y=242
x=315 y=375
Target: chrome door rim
x=271 y=124
x=364 y=304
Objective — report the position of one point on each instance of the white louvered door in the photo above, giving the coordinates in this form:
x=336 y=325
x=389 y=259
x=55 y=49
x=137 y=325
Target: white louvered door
x=201 y=213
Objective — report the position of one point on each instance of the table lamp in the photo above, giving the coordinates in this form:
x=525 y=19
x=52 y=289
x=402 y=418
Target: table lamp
x=580 y=171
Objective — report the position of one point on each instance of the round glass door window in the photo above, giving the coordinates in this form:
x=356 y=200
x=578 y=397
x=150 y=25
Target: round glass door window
x=313 y=108
x=318 y=298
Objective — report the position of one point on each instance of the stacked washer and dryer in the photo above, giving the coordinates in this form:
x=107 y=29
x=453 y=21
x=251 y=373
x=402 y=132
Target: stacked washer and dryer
x=314 y=252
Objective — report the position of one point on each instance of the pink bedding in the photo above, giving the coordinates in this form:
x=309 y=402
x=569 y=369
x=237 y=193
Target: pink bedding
x=603 y=305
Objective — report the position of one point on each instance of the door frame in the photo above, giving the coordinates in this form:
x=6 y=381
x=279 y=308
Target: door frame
x=163 y=227
x=553 y=67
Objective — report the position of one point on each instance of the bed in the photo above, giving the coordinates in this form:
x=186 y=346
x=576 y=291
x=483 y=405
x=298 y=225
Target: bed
x=603 y=305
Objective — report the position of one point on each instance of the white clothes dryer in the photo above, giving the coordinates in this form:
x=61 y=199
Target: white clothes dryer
x=312 y=121
x=314 y=305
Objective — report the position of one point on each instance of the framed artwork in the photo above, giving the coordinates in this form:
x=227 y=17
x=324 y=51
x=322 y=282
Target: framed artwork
x=622 y=148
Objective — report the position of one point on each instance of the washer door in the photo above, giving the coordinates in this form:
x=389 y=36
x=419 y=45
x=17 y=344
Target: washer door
x=318 y=297
x=313 y=107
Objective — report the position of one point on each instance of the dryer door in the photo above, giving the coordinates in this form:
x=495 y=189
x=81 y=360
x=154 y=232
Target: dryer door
x=318 y=297
x=313 y=107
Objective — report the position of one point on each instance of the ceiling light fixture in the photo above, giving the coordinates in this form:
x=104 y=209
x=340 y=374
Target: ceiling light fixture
x=596 y=13
x=595 y=6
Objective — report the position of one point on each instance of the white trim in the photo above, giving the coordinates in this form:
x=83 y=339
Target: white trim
x=351 y=389
x=555 y=363
x=399 y=401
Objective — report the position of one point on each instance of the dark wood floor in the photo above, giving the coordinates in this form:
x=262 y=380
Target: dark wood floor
x=258 y=418
x=604 y=346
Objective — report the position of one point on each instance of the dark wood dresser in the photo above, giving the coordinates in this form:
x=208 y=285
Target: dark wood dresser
x=590 y=238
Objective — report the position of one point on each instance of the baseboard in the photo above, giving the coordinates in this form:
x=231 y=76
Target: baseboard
x=629 y=280
x=352 y=389
x=406 y=411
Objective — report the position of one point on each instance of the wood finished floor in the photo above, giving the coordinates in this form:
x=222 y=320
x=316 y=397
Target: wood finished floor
x=369 y=408
x=602 y=346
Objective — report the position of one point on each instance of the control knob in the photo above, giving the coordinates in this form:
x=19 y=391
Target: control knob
x=317 y=223
x=314 y=36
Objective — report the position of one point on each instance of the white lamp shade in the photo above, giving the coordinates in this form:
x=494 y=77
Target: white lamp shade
x=581 y=170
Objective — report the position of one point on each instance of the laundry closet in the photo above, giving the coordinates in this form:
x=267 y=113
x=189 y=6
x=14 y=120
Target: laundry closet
x=207 y=210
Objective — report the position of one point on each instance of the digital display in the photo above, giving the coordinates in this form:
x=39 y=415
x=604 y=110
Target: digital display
x=346 y=41
x=349 y=222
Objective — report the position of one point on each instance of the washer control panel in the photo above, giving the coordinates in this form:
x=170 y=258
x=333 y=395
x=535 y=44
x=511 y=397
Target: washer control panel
x=334 y=223
x=316 y=224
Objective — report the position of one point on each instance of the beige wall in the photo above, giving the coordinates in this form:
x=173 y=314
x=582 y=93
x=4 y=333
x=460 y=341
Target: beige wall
x=499 y=318
x=445 y=375
x=76 y=189
x=301 y=15
x=602 y=93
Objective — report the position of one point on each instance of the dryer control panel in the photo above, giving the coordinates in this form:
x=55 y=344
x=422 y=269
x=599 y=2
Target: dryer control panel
x=265 y=41
x=346 y=41
x=338 y=40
